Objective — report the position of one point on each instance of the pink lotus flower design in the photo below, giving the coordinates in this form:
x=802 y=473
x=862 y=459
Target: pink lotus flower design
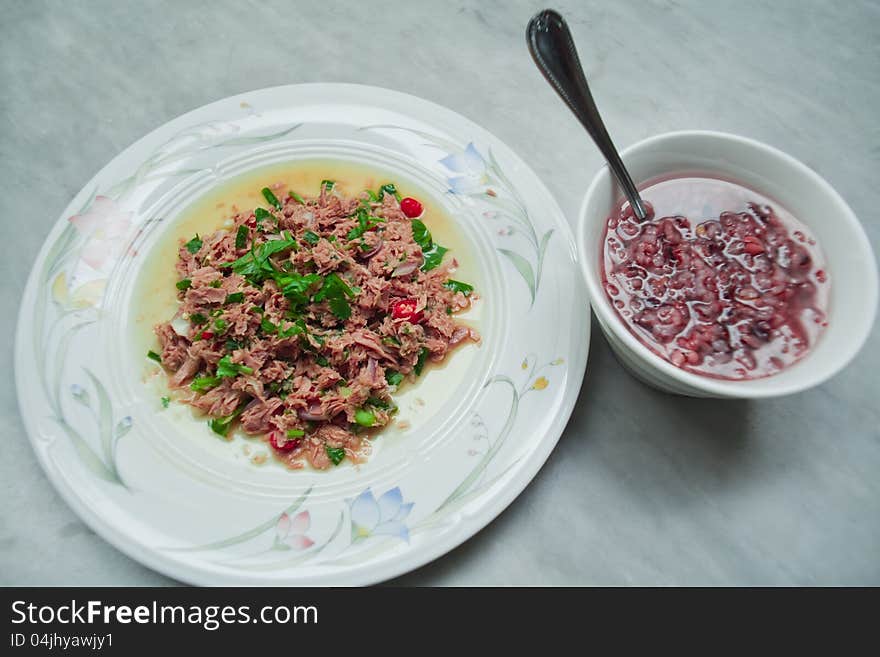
x=290 y=533
x=104 y=226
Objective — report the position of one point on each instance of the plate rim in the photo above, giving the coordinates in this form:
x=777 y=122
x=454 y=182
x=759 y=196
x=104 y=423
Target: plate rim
x=466 y=526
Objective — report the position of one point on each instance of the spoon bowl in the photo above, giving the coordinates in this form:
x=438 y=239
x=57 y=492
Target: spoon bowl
x=552 y=47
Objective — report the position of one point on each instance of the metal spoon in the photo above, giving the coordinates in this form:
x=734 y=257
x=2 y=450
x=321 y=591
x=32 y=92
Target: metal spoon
x=552 y=48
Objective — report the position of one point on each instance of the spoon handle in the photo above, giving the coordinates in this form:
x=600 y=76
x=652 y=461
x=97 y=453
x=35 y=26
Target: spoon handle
x=552 y=47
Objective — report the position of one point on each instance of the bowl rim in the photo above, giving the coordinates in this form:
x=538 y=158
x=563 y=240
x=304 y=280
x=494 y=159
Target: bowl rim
x=708 y=385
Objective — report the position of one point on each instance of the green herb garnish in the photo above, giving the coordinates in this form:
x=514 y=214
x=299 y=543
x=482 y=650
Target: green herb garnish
x=194 y=244
x=328 y=184
x=226 y=368
x=297 y=288
x=197 y=318
x=152 y=355
x=216 y=283
x=295 y=433
x=388 y=188
x=165 y=401
x=420 y=363
x=271 y=199
x=204 y=383
x=235 y=297
x=255 y=266
x=184 y=284
x=336 y=454
x=458 y=286
x=267 y=326
x=393 y=378
x=433 y=253
x=365 y=223
x=336 y=292
x=220 y=325
x=241 y=237
x=296 y=197
x=221 y=425
x=311 y=238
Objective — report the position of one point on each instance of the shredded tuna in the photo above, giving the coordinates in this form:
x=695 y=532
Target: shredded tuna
x=305 y=319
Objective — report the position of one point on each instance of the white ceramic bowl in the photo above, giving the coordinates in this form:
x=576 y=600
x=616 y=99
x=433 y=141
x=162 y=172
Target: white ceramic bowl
x=850 y=260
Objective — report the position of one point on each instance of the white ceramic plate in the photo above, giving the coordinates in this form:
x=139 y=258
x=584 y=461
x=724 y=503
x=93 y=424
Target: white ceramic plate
x=164 y=491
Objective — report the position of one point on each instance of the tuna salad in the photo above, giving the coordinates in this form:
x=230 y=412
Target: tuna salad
x=300 y=321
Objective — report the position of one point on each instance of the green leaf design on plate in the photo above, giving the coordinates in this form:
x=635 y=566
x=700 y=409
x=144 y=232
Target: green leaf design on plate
x=524 y=268
x=541 y=251
x=247 y=535
x=463 y=487
x=105 y=419
x=122 y=427
x=87 y=455
x=81 y=395
x=244 y=141
x=299 y=558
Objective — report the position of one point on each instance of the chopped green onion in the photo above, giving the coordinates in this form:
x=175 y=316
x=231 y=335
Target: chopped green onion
x=364 y=417
x=261 y=214
x=216 y=283
x=327 y=184
x=295 y=433
x=226 y=368
x=165 y=401
x=197 y=318
x=235 y=297
x=336 y=454
x=267 y=326
x=311 y=238
x=220 y=325
x=204 y=383
x=184 y=284
x=152 y=355
x=271 y=199
x=221 y=425
x=420 y=363
x=241 y=237
x=365 y=223
x=296 y=197
x=322 y=361
x=393 y=378
x=194 y=244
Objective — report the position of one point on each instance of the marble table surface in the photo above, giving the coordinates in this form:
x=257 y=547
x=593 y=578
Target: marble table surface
x=643 y=488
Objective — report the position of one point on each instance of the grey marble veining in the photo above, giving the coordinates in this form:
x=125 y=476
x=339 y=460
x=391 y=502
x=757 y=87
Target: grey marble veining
x=643 y=488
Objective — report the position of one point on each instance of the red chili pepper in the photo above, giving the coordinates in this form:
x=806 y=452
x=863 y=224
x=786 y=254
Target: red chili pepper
x=251 y=223
x=207 y=335
x=406 y=309
x=283 y=444
x=410 y=207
